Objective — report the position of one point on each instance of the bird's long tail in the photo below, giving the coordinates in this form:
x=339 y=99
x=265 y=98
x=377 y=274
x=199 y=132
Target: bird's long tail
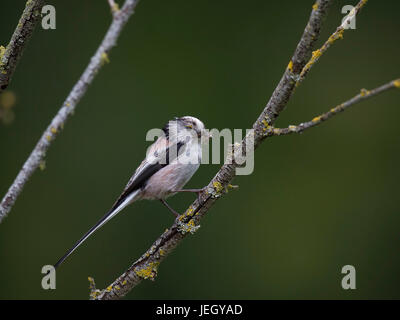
x=112 y=213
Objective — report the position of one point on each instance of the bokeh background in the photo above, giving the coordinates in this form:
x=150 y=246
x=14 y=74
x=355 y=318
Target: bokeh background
x=315 y=202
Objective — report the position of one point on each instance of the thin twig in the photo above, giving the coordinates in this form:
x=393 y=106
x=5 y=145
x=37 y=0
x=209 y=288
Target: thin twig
x=10 y=55
x=363 y=95
x=338 y=34
x=114 y=6
x=68 y=107
x=92 y=287
x=286 y=86
x=146 y=266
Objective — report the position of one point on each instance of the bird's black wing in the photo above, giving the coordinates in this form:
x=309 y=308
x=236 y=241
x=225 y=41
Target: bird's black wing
x=138 y=180
x=141 y=176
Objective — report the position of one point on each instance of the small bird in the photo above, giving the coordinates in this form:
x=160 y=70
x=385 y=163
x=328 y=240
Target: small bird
x=169 y=164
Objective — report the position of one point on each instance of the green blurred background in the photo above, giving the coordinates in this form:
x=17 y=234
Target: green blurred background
x=315 y=202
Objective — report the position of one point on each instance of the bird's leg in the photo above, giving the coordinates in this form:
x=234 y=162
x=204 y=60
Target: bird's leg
x=169 y=208
x=198 y=191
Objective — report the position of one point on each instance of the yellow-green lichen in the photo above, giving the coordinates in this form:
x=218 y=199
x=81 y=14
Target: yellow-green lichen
x=94 y=294
x=188 y=227
x=316 y=119
x=189 y=211
x=363 y=2
x=218 y=187
x=115 y=8
x=290 y=66
x=364 y=92
x=93 y=291
x=314 y=57
x=337 y=35
x=2 y=52
x=148 y=271
x=269 y=121
x=104 y=58
x=267 y=126
x=42 y=165
x=191 y=225
x=316 y=54
x=229 y=187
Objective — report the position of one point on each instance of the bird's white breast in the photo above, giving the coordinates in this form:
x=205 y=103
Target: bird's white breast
x=175 y=175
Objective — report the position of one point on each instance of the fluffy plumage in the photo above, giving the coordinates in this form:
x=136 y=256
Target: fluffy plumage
x=169 y=164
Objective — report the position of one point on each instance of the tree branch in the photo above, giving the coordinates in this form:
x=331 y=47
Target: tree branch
x=338 y=34
x=113 y=6
x=363 y=95
x=146 y=266
x=68 y=107
x=10 y=55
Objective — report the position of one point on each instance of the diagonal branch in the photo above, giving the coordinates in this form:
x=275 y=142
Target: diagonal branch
x=363 y=95
x=338 y=34
x=146 y=266
x=113 y=6
x=68 y=107
x=10 y=55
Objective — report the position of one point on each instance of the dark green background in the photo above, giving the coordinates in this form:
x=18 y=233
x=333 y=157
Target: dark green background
x=315 y=202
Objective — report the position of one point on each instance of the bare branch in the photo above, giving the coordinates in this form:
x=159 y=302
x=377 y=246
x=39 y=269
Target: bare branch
x=114 y=6
x=68 y=107
x=338 y=34
x=363 y=95
x=146 y=266
x=10 y=55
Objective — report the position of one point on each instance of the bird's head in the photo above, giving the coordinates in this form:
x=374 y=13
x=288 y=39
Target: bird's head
x=185 y=128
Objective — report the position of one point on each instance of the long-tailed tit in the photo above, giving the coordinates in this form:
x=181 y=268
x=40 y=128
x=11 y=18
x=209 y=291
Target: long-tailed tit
x=169 y=164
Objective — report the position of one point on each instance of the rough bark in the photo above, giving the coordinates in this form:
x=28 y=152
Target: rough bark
x=146 y=266
x=363 y=95
x=10 y=55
